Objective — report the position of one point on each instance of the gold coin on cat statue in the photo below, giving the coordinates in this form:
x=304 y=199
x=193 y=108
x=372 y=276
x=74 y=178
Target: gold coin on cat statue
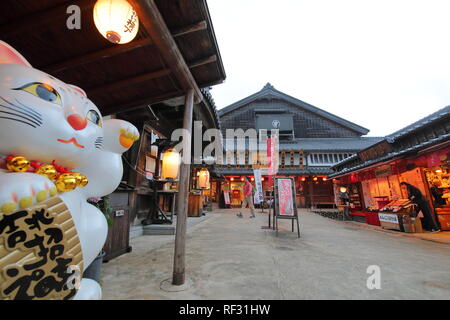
x=81 y=179
x=47 y=170
x=18 y=164
x=66 y=182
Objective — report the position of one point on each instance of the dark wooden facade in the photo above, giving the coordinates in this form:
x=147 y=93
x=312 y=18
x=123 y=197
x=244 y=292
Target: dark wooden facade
x=311 y=140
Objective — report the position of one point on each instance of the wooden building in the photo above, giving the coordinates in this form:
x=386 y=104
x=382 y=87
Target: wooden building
x=418 y=154
x=152 y=81
x=311 y=140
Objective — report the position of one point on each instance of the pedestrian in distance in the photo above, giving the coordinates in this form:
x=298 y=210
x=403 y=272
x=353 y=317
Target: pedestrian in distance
x=248 y=198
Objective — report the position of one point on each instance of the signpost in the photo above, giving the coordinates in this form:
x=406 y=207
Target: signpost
x=285 y=206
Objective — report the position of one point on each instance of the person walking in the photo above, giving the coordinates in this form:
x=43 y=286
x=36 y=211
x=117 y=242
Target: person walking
x=417 y=197
x=248 y=198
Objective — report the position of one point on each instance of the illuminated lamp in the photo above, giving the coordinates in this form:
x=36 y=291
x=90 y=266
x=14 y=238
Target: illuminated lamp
x=324 y=179
x=252 y=179
x=116 y=20
x=315 y=178
x=231 y=179
x=262 y=178
x=203 y=179
x=303 y=179
x=438 y=171
x=242 y=178
x=170 y=164
x=343 y=189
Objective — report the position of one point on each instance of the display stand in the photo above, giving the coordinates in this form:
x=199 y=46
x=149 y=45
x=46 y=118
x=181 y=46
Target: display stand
x=285 y=206
x=155 y=214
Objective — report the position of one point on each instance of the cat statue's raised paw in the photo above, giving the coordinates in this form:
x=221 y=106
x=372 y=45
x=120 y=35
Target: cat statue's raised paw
x=55 y=153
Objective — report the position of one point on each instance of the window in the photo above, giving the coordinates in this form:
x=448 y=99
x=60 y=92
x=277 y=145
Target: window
x=326 y=159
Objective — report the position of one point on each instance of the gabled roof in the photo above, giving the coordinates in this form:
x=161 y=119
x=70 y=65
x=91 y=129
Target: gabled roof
x=269 y=91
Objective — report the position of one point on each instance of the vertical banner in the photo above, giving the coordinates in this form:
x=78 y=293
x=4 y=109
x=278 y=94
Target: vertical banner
x=259 y=190
x=226 y=196
x=272 y=157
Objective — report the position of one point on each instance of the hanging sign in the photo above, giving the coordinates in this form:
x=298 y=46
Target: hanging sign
x=259 y=189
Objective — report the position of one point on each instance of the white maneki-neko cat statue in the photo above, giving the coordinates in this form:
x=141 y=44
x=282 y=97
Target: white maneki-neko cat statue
x=55 y=153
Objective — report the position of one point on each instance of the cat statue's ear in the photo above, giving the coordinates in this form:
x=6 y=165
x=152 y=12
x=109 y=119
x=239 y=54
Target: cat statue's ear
x=78 y=89
x=9 y=55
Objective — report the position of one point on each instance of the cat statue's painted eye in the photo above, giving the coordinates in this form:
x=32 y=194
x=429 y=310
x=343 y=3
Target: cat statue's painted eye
x=94 y=117
x=42 y=90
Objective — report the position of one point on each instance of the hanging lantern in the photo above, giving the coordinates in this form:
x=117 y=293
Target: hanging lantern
x=203 y=179
x=343 y=189
x=116 y=20
x=231 y=179
x=303 y=179
x=170 y=164
x=242 y=178
x=315 y=178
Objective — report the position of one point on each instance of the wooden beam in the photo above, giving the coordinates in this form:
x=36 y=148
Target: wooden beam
x=202 y=62
x=153 y=22
x=128 y=82
x=136 y=104
x=94 y=56
x=183 y=195
x=36 y=19
x=189 y=29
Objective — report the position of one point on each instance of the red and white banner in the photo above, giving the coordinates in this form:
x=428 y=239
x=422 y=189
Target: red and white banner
x=286 y=198
x=273 y=158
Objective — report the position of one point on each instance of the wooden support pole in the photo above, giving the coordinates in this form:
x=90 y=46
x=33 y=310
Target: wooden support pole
x=183 y=196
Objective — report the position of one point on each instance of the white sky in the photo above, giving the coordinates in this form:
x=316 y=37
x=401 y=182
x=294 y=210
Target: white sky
x=380 y=64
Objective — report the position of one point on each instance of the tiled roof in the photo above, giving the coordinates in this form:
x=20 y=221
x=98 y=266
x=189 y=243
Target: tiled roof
x=324 y=144
x=438 y=115
x=304 y=171
x=269 y=90
x=392 y=155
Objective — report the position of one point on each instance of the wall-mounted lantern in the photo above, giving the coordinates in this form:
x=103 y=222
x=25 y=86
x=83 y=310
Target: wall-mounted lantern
x=116 y=20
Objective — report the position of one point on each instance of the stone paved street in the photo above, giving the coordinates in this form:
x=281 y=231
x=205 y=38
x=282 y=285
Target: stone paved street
x=232 y=258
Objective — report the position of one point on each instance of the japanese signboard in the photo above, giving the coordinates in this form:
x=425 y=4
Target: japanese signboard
x=226 y=196
x=259 y=190
x=40 y=252
x=389 y=220
x=285 y=197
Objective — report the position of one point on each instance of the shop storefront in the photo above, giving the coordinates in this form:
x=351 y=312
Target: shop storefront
x=372 y=180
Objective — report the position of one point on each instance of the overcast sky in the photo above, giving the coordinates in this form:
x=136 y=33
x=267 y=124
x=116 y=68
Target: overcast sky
x=381 y=64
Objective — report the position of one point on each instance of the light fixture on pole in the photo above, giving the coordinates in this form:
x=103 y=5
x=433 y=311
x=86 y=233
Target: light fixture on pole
x=170 y=164
x=116 y=20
